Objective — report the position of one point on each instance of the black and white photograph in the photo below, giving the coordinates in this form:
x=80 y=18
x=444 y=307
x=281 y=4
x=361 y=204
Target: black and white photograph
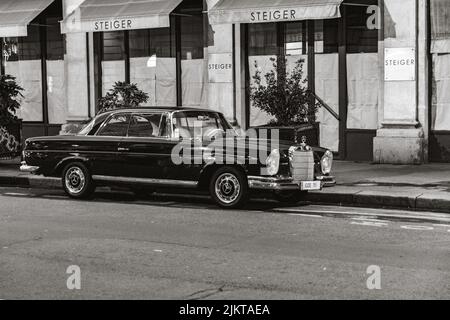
x=224 y=155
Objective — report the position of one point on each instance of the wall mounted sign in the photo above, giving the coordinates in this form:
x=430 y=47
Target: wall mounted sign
x=220 y=68
x=400 y=64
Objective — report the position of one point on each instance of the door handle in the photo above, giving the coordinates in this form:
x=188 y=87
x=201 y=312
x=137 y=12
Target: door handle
x=123 y=149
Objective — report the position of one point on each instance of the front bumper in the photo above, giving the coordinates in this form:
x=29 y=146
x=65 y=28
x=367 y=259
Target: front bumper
x=29 y=169
x=327 y=181
x=283 y=183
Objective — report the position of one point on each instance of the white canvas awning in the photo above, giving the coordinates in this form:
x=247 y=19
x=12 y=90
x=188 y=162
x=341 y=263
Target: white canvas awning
x=258 y=11
x=15 y=15
x=114 y=15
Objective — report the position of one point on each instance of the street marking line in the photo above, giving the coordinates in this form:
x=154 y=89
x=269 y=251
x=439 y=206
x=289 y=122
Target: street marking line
x=318 y=212
x=431 y=214
x=371 y=224
x=369 y=220
x=417 y=228
x=304 y=215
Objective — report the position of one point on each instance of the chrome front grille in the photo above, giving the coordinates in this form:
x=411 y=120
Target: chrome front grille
x=302 y=165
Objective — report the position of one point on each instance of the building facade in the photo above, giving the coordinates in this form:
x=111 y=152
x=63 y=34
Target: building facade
x=379 y=66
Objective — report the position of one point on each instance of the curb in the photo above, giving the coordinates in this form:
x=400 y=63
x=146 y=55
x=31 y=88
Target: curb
x=30 y=182
x=358 y=198
x=423 y=202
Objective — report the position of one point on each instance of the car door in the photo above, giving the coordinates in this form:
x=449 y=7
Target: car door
x=104 y=145
x=146 y=150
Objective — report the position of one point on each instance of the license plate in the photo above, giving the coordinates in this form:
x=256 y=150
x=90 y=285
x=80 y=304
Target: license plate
x=311 y=185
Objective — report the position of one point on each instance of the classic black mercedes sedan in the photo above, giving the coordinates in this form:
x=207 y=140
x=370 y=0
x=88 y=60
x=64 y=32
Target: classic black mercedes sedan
x=177 y=148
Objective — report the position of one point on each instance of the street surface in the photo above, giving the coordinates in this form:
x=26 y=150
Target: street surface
x=174 y=247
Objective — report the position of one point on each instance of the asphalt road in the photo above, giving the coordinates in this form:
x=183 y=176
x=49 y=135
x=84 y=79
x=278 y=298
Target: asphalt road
x=186 y=248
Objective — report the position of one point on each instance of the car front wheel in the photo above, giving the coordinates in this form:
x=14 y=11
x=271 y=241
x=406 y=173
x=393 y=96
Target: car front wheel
x=229 y=188
x=77 y=181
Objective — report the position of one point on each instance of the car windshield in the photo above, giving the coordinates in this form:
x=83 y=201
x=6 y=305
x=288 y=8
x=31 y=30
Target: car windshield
x=199 y=125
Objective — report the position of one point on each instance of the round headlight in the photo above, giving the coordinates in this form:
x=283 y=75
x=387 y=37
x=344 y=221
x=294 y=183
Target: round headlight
x=273 y=162
x=327 y=162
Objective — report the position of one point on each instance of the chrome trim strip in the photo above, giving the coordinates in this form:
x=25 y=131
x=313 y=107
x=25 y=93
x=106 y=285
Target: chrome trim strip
x=148 y=181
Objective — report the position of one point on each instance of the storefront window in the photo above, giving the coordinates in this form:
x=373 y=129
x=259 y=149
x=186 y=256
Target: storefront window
x=151 y=58
x=359 y=37
x=296 y=39
x=55 y=72
x=23 y=61
x=326 y=36
x=362 y=67
x=326 y=80
x=263 y=47
x=113 y=62
x=262 y=39
x=440 y=49
x=193 y=66
x=269 y=41
x=153 y=64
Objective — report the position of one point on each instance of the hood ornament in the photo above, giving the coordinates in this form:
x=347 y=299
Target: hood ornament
x=302 y=146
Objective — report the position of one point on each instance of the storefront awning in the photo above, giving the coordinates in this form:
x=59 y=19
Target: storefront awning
x=15 y=15
x=115 y=15
x=258 y=11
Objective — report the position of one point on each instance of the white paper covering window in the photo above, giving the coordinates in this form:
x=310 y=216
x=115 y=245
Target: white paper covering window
x=156 y=77
x=56 y=93
x=29 y=77
x=363 y=91
x=112 y=71
x=441 y=92
x=193 y=82
x=327 y=88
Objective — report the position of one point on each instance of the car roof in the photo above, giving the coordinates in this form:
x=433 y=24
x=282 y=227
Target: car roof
x=159 y=109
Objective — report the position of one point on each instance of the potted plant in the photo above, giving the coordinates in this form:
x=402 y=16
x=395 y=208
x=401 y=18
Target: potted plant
x=122 y=95
x=10 y=124
x=284 y=96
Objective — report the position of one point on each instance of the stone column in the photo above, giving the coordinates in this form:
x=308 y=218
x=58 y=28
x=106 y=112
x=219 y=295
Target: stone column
x=76 y=67
x=401 y=137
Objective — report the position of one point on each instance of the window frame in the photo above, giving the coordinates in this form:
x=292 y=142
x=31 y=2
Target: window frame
x=108 y=120
x=165 y=115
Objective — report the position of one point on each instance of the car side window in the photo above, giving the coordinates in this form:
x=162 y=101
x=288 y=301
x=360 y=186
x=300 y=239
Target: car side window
x=147 y=125
x=117 y=126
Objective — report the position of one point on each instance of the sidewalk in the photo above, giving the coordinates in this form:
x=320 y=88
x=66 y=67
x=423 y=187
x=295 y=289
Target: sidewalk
x=422 y=188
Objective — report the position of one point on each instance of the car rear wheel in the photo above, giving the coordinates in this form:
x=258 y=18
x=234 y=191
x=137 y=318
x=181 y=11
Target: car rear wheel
x=77 y=181
x=229 y=188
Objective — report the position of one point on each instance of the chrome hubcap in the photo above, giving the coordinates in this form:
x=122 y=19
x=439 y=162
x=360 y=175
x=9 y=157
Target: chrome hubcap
x=227 y=188
x=75 y=180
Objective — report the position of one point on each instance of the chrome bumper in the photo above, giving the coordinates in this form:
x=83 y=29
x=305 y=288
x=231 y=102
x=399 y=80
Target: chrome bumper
x=327 y=181
x=274 y=184
x=29 y=169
